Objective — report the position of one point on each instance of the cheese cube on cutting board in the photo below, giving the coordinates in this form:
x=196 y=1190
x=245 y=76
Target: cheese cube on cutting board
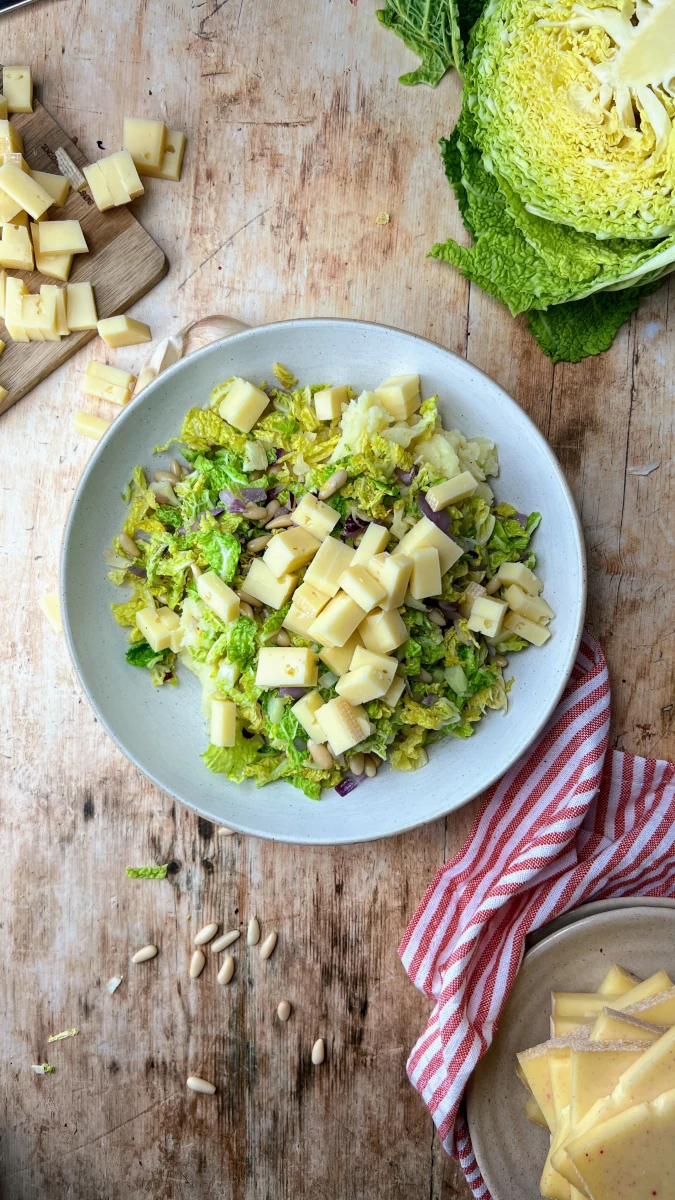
x=328 y=402
x=338 y=658
x=532 y=607
x=400 y=396
x=15 y=289
x=24 y=190
x=286 y=666
x=218 y=597
x=38 y=317
x=297 y=621
x=362 y=684
x=56 y=185
x=123 y=331
x=383 y=632
x=145 y=141
x=487 y=616
x=243 y=405
x=290 y=550
x=425 y=579
x=392 y=571
x=315 y=516
x=451 y=491
x=56 y=265
x=337 y=622
x=366 y=658
x=514 y=623
x=328 y=563
x=309 y=600
x=425 y=533
x=61 y=237
x=118 y=169
x=344 y=724
x=17 y=88
x=11 y=141
x=223 y=722
x=103 y=197
x=373 y=542
x=16 y=250
x=81 y=306
x=305 y=711
x=264 y=586
x=363 y=588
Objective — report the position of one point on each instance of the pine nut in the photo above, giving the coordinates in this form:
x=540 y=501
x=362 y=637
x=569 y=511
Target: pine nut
x=370 y=767
x=282 y=638
x=197 y=964
x=227 y=970
x=332 y=485
x=129 y=546
x=201 y=1085
x=258 y=543
x=279 y=523
x=144 y=955
x=176 y=468
x=273 y=508
x=225 y=832
x=501 y=661
x=248 y=599
x=225 y=940
x=268 y=945
x=425 y=676
x=321 y=755
x=245 y=609
x=283 y=1010
x=318 y=1052
x=253 y=932
x=356 y=764
x=196 y=571
x=206 y=934
x=167 y=477
x=254 y=512
x=437 y=618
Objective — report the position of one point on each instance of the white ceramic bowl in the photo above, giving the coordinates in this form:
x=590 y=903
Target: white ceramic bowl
x=161 y=729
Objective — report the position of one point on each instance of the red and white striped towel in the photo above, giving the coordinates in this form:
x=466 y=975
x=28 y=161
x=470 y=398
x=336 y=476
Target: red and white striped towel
x=569 y=823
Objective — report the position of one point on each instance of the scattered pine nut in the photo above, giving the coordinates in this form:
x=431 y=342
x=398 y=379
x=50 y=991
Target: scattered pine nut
x=318 y=1052
x=283 y=1010
x=206 y=934
x=281 y=638
x=197 y=964
x=321 y=755
x=201 y=1085
x=245 y=609
x=253 y=932
x=337 y=480
x=258 y=543
x=370 y=767
x=144 y=954
x=356 y=764
x=227 y=970
x=268 y=945
x=283 y=522
x=273 y=508
x=225 y=940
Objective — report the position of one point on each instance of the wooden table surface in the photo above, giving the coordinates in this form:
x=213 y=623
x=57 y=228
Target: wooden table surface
x=298 y=137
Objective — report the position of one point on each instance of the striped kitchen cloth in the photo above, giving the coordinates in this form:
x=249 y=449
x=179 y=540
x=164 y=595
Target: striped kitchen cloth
x=569 y=823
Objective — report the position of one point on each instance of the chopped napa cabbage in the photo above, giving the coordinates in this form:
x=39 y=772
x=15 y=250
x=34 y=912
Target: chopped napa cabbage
x=146 y=873
x=408 y=753
x=221 y=551
x=286 y=378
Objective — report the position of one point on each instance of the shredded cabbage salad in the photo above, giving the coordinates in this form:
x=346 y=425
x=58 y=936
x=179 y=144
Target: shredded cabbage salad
x=205 y=509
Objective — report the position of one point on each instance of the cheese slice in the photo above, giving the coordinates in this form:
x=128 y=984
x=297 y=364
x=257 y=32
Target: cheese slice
x=630 y=1156
x=617 y=982
x=533 y=1113
x=57 y=186
x=552 y=1184
x=534 y=1065
x=595 y=1069
x=611 y=1025
x=659 y=1010
x=62 y=237
x=392 y=572
x=647 y=990
x=579 y=1004
x=23 y=190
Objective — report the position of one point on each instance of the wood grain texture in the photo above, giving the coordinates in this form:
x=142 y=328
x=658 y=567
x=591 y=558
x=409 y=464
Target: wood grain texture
x=123 y=262
x=298 y=137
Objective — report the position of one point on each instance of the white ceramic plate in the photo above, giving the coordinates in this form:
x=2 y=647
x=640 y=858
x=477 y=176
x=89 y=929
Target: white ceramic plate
x=162 y=730
x=511 y=1150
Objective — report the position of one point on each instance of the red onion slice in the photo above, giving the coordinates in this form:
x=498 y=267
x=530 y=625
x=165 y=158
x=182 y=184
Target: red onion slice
x=216 y=512
x=406 y=477
x=346 y=785
x=254 y=495
x=140 y=571
x=430 y=700
x=232 y=503
x=295 y=692
x=440 y=519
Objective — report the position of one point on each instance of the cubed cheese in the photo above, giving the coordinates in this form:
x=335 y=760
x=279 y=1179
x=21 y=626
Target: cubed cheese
x=3 y=289
x=472 y=593
x=218 y=597
x=146 y=141
x=223 y=722
x=50 y=289
x=120 y=166
x=56 y=185
x=338 y=658
x=343 y=724
x=400 y=396
x=366 y=658
x=38 y=317
x=19 y=161
x=11 y=140
x=105 y=384
x=521 y=575
x=309 y=600
x=425 y=579
x=297 y=621
x=15 y=289
x=425 y=533
x=392 y=571
x=103 y=198
x=9 y=210
x=289 y=551
x=62 y=237
x=395 y=692
x=112 y=179
x=337 y=622
x=373 y=542
x=286 y=666
x=17 y=88
x=328 y=403
x=123 y=331
x=315 y=516
x=536 y=634
x=363 y=588
x=452 y=491
x=328 y=563
x=23 y=190
x=305 y=711
x=16 y=250
x=114 y=375
x=52 y=610
x=243 y=405
x=262 y=585
x=487 y=616
x=383 y=632
x=532 y=607
x=172 y=162
x=56 y=265
x=81 y=306
x=89 y=425
x=363 y=684
x=157 y=625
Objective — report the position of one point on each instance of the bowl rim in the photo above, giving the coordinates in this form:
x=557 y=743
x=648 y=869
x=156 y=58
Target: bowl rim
x=248 y=334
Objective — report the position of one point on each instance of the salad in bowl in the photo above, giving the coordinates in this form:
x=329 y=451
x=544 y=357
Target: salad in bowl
x=336 y=570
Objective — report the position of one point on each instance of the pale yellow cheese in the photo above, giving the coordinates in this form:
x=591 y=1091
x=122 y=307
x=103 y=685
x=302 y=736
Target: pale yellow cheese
x=533 y=1112
x=648 y=989
x=89 y=425
x=52 y=609
x=290 y=550
x=562 y=1026
x=38 y=317
x=114 y=375
x=328 y=563
x=595 y=1070
x=297 y=621
x=145 y=141
x=98 y=186
x=81 y=306
x=338 y=658
x=552 y=1184
x=62 y=237
x=400 y=396
x=223 y=722
x=425 y=578
x=309 y=600
x=337 y=621
x=262 y=585
x=632 y=1155
x=24 y=190
x=121 y=176
x=50 y=289
x=243 y=405
x=366 y=658
x=286 y=666
x=617 y=982
x=559 y=1065
x=363 y=588
x=218 y=596
x=488 y=616
x=305 y=711
x=16 y=250
x=105 y=389
x=521 y=575
x=425 y=533
x=383 y=632
x=21 y=218
x=373 y=542
x=19 y=161
x=536 y=634
x=3 y=288
x=123 y=331
x=393 y=695
x=9 y=210
x=659 y=1009
x=393 y=572
x=11 y=141
x=157 y=625
x=172 y=161
x=56 y=185
x=315 y=516
x=4 y=111
x=451 y=491
x=611 y=1025
x=15 y=289
x=17 y=88
x=328 y=402
x=534 y=1069
x=532 y=607
x=579 y=1004
x=362 y=684
x=344 y=724
x=56 y=265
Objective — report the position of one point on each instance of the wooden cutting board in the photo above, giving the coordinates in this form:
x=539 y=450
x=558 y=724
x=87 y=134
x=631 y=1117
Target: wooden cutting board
x=122 y=265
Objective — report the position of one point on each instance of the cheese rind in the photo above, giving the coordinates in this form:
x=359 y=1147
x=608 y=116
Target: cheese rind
x=383 y=632
x=630 y=1156
x=362 y=684
x=400 y=396
x=363 y=588
x=328 y=402
x=393 y=572
x=289 y=550
x=81 y=306
x=316 y=517
x=264 y=586
x=343 y=724
x=286 y=666
x=123 y=331
x=243 y=405
x=612 y=1025
x=305 y=711
x=373 y=542
x=617 y=982
x=337 y=621
x=223 y=722
x=425 y=577
x=325 y=569
x=218 y=597
x=425 y=533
